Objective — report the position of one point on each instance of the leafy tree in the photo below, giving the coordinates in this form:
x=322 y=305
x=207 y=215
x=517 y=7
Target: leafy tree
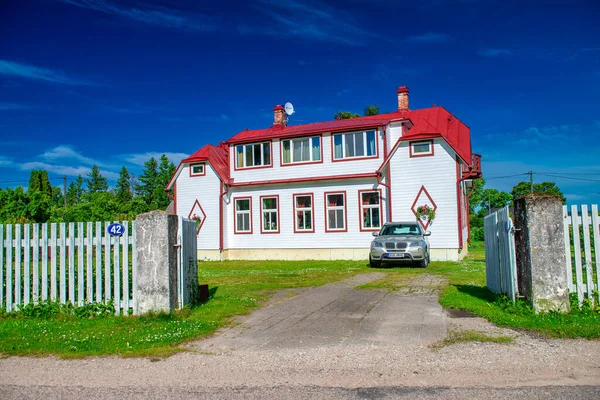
x=75 y=192
x=523 y=188
x=371 y=110
x=148 y=181
x=345 y=115
x=477 y=195
x=123 y=190
x=95 y=181
x=494 y=199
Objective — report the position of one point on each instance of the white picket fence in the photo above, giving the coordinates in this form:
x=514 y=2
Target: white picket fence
x=579 y=249
x=76 y=262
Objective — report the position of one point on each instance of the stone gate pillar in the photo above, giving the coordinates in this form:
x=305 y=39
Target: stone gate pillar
x=156 y=237
x=541 y=254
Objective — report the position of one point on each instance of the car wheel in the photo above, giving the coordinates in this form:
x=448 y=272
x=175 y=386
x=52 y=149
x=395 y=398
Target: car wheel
x=374 y=263
x=425 y=262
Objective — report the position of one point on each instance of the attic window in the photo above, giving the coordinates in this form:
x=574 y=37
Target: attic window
x=421 y=149
x=197 y=170
x=256 y=155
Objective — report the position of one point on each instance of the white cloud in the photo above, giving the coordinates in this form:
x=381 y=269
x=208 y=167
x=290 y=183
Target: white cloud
x=67 y=152
x=67 y=170
x=5 y=161
x=151 y=14
x=140 y=159
x=25 y=71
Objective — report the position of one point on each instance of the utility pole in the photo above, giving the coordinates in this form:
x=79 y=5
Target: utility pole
x=531 y=181
x=65 y=189
x=132 y=184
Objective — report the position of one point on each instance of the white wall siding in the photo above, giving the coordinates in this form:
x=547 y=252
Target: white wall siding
x=438 y=174
x=294 y=171
x=206 y=190
x=394 y=132
x=286 y=238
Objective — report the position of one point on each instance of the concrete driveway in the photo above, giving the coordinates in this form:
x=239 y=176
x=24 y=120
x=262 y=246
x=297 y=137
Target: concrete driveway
x=339 y=315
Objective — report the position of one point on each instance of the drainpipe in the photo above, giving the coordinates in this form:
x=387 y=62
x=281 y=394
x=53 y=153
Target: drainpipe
x=224 y=191
x=385 y=149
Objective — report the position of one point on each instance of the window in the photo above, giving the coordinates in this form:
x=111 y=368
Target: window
x=270 y=214
x=197 y=170
x=354 y=145
x=335 y=211
x=243 y=215
x=301 y=150
x=253 y=155
x=420 y=149
x=303 y=213
x=370 y=210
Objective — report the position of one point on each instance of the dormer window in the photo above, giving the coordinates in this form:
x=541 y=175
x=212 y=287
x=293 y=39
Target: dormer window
x=354 y=145
x=421 y=149
x=197 y=170
x=301 y=150
x=254 y=155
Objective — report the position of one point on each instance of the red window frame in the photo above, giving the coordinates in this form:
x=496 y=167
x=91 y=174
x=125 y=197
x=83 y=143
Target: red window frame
x=312 y=212
x=235 y=214
x=360 y=210
x=413 y=143
x=345 y=197
x=262 y=229
x=192 y=174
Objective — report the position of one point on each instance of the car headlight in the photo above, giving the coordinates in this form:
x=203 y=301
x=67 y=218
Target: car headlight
x=419 y=243
x=376 y=243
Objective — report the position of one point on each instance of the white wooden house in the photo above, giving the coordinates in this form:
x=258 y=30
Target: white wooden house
x=318 y=191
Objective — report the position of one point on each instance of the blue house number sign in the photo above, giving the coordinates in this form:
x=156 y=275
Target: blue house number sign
x=115 y=229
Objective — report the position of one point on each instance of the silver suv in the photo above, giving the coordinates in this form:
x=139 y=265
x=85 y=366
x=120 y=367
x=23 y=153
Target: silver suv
x=400 y=242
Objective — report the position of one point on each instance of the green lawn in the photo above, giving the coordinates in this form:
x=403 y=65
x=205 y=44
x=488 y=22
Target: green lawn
x=238 y=287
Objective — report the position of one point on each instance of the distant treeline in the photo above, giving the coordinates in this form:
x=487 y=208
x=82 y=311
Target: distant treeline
x=88 y=198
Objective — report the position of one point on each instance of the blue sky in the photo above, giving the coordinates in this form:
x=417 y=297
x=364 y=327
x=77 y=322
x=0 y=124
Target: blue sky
x=116 y=82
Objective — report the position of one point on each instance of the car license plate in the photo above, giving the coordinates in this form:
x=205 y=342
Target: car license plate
x=396 y=255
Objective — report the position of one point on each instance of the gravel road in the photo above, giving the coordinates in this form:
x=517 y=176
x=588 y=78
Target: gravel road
x=335 y=342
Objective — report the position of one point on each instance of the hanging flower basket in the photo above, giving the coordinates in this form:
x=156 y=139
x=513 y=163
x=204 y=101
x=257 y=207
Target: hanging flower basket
x=198 y=220
x=425 y=213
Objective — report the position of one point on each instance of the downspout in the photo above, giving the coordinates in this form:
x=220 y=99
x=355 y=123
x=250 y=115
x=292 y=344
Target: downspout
x=172 y=197
x=389 y=190
x=223 y=192
x=385 y=148
x=458 y=190
x=469 y=215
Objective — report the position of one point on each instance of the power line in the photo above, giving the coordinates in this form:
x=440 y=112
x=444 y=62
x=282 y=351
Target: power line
x=568 y=177
x=507 y=176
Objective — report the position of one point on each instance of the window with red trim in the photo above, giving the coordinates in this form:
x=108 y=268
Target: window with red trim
x=354 y=145
x=335 y=209
x=243 y=215
x=420 y=149
x=253 y=155
x=197 y=169
x=370 y=210
x=270 y=214
x=303 y=205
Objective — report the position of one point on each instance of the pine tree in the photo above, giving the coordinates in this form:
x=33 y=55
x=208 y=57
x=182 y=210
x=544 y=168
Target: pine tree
x=75 y=191
x=148 y=180
x=123 y=190
x=39 y=182
x=165 y=172
x=34 y=181
x=96 y=182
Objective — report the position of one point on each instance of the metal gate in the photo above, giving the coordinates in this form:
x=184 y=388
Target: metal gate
x=187 y=270
x=500 y=256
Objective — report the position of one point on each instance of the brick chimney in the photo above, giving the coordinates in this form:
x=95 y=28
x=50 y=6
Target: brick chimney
x=402 y=98
x=279 y=118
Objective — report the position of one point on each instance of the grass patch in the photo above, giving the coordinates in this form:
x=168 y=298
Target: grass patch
x=236 y=287
x=455 y=337
x=239 y=287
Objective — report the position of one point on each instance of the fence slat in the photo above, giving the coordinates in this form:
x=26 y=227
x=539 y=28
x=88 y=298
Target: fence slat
x=2 y=247
x=98 y=244
x=596 y=230
x=116 y=282
x=18 y=248
x=577 y=252
x=52 y=255
x=71 y=252
x=62 y=242
x=44 y=262
x=567 y=238
x=125 y=243
x=9 y=260
x=587 y=251
x=26 y=264
x=134 y=266
x=107 y=273
x=36 y=263
x=89 y=266
x=80 y=269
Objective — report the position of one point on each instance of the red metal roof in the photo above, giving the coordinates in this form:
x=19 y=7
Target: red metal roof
x=218 y=157
x=317 y=127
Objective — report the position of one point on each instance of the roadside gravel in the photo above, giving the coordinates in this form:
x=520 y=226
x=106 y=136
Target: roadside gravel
x=332 y=336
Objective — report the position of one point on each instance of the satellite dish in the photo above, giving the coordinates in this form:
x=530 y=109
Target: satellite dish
x=289 y=108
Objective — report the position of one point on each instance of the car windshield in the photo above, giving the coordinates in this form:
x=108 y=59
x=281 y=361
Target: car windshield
x=401 y=229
